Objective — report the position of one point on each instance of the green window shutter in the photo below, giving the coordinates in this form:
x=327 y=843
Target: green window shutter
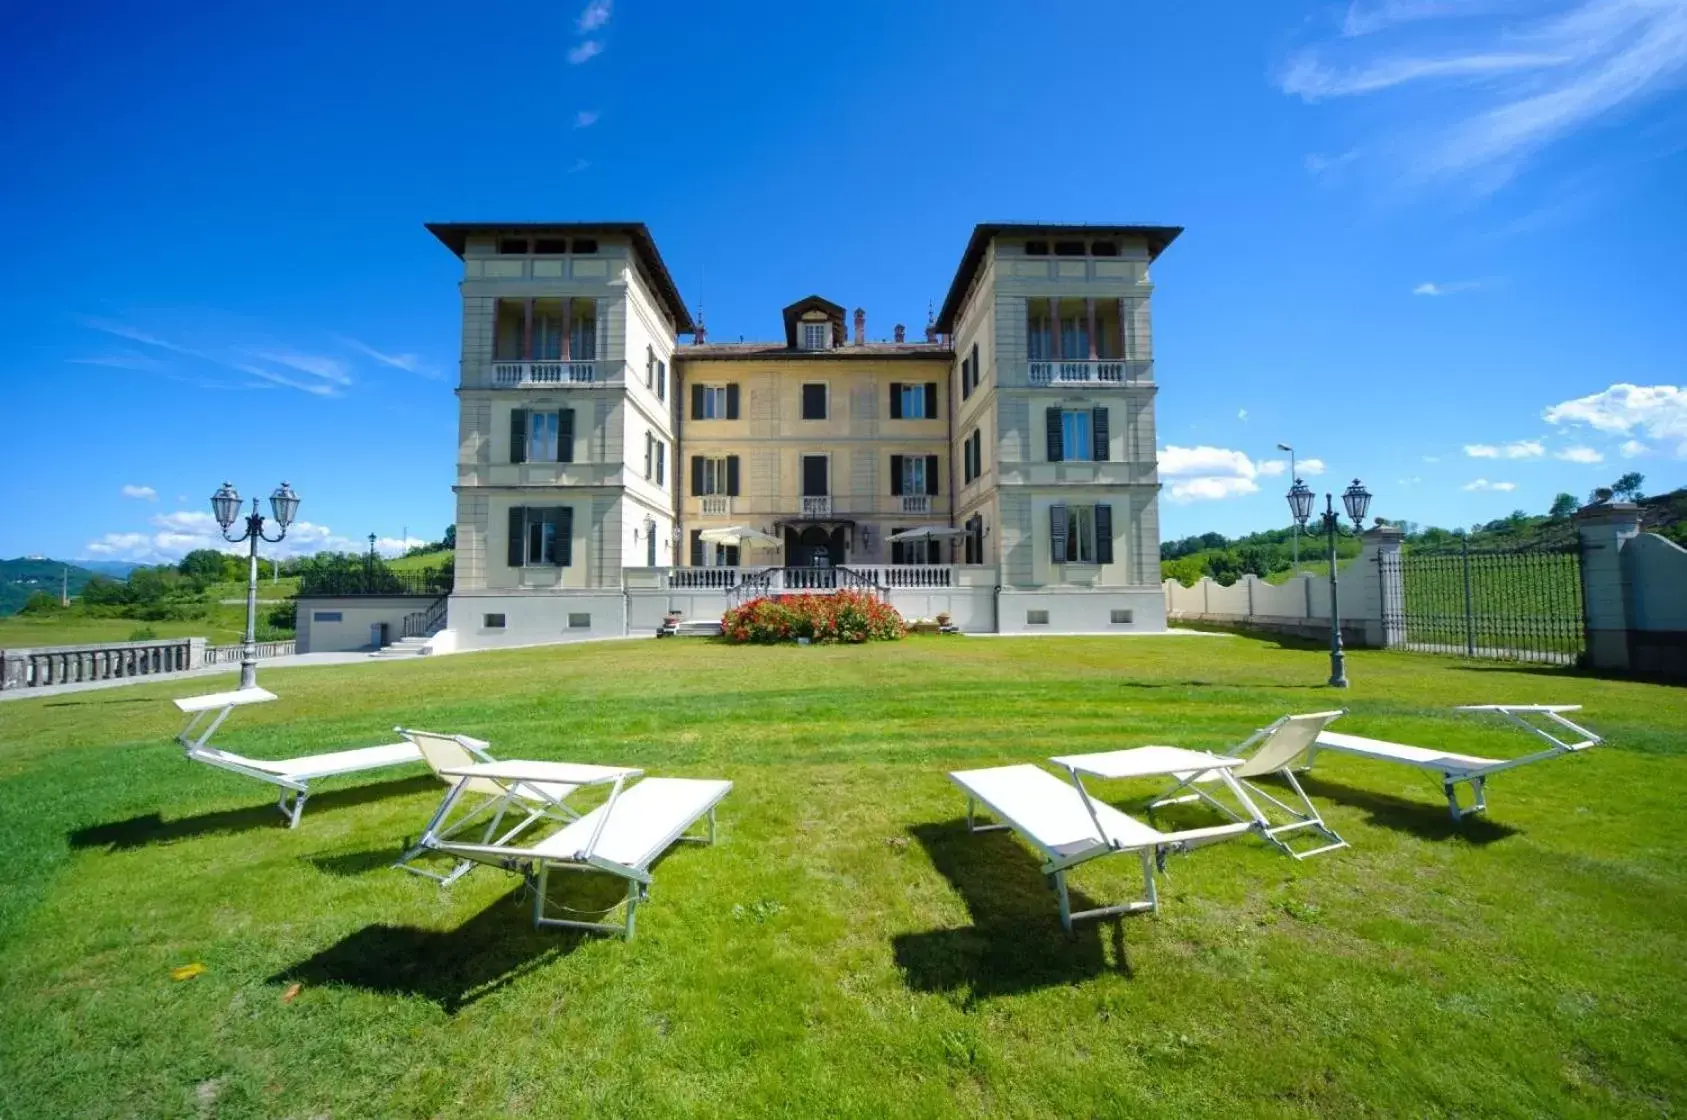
x=931 y=400
x=565 y=436
x=518 y=435
x=697 y=402
x=1052 y=418
x=1057 y=532
x=896 y=476
x=732 y=476
x=896 y=400
x=518 y=536
x=931 y=474
x=696 y=548
x=564 y=541
x=696 y=476
x=1098 y=426
x=732 y=401
x=975 y=370
x=1103 y=534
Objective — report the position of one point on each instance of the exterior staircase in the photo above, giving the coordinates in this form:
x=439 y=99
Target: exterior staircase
x=404 y=647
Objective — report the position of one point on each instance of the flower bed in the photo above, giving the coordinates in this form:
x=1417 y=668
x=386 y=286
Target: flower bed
x=847 y=616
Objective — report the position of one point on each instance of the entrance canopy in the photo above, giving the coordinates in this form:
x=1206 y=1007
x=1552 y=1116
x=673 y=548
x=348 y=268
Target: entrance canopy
x=928 y=533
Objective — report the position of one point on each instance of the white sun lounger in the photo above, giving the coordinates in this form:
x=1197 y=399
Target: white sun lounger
x=1470 y=769
x=1276 y=749
x=621 y=837
x=293 y=775
x=1068 y=827
x=534 y=801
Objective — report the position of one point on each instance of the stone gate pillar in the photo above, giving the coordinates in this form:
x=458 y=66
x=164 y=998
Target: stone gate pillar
x=1604 y=529
x=1382 y=599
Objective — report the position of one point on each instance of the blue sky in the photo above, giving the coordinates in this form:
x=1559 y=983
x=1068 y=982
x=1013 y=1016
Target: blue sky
x=1436 y=244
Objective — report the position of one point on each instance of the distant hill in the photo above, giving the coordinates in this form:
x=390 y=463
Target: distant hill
x=23 y=577
x=116 y=569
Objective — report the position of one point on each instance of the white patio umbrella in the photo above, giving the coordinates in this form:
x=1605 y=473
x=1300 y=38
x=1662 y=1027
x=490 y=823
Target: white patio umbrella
x=734 y=535
x=928 y=533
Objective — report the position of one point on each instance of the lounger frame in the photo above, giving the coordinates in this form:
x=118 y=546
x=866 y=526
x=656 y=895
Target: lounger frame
x=1476 y=776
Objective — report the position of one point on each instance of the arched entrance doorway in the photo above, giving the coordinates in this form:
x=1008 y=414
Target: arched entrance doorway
x=815 y=547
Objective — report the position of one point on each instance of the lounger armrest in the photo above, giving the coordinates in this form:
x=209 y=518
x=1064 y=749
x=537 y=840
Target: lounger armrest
x=1195 y=837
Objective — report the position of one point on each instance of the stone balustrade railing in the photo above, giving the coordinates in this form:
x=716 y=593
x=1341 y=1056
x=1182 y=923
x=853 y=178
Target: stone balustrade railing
x=47 y=665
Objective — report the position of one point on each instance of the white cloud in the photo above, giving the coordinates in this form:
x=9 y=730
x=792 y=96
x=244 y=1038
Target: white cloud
x=1484 y=484
x=1310 y=468
x=410 y=363
x=585 y=118
x=1212 y=473
x=1579 y=455
x=1318 y=164
x=1633 y=449
x=144 y=493
x=1271 y=468
x=315 y=388
x=1657 y=412
x=584 y=52
x=1446 y=287
x=1432 y=458
x=1413 y=481
x=1521 y=449
x=597 y=14
x=317 y=365
x=1510 y=89
x=1241 y=414
x=175 y=534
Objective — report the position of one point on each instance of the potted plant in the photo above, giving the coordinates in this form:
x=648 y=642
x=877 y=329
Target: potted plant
x=944 y=619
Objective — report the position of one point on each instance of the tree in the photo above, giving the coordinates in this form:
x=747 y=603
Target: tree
x=204 y=564
x=40 y=603
x=1600 y=494
x=1563 y=506
x=1628 y=486
x=450 y=540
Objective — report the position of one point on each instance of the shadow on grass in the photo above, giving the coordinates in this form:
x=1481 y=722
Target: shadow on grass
x=138 y=832
x=1015 y=943
x=1431 y=822
x=348 y=864
x=1570 y=673
x=453 y=968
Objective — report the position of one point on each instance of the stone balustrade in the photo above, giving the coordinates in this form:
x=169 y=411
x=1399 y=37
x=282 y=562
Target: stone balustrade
x=49 y=665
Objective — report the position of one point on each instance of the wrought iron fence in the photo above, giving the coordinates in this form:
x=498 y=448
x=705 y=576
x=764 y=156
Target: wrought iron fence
x=375 y=581
x=1514 y=605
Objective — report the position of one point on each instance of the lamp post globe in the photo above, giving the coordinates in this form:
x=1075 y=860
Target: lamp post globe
x=284 y=504
x=1357 y=501
x=225 y=505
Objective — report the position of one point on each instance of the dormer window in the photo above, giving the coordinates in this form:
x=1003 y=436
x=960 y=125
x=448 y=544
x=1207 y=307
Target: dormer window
x=816 y=336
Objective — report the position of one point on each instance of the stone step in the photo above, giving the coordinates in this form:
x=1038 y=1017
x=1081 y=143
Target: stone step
x=696 y=628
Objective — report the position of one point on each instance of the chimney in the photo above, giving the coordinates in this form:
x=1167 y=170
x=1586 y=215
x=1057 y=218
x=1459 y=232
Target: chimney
x=931 y=325
x=701 y=334
x=901 y=333
x=860 y=326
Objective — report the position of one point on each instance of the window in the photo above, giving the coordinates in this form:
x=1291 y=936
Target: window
x=814 y=401
x=585 y=244
x=655 y=459
x=492 y=621
x=579 y=621
x=541 y=437
x=972 y=455
x=1081 y=534
x=1120 y=618
x=714 y=402
x=1106 y=249
x=1077 y=435
x=966 y=378
x=650 y=549
x=550 y=246
x=916 y=552
x=913 y=474
x=1036 y=248
x=975 y=540
x=512 y=246
x=582 y=337
x=541 y=535
x=1068 y=248
x=661 y=380
x=816 y=336
x=815 y=480
x=1036 y=618
x=326 y=616
x=714 y=476
x=913 y=401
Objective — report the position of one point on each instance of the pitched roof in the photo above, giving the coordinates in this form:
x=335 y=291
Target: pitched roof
x=834 y=314
x=455 y=235
x=1157 y=237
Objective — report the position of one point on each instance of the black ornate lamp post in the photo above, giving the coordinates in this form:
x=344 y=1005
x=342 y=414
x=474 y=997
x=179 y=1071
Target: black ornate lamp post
x=1357 y=500
x=225 y=504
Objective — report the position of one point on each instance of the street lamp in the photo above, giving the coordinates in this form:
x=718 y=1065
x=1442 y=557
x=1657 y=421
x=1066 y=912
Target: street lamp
x=1294 y=473
x=1357 y=500
x=225 y=504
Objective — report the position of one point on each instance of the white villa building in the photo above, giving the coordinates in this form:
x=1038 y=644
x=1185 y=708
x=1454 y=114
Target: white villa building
x=609 y=474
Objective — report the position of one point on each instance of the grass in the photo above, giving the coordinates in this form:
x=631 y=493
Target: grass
x=225 y=626
x=847 y=948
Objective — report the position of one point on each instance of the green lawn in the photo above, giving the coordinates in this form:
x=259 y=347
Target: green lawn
x=847 y=948
x=224 y=627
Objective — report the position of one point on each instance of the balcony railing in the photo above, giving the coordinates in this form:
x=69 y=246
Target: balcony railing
x=916 y=503
x=817 y=505
x=717 y=505
x=1112 y=372
x=511 y=374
